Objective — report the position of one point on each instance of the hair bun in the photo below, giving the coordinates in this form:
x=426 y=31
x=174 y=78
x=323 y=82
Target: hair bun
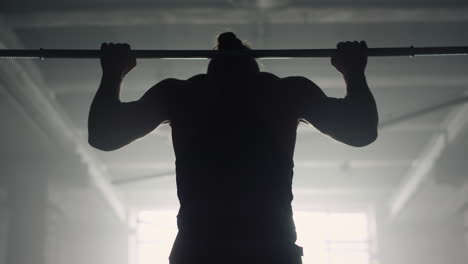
x=229 y=41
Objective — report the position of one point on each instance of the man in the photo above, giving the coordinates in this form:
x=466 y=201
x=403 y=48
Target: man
x=234 y=132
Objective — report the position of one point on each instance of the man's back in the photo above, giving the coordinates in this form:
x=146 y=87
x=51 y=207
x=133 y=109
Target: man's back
x=234 y=142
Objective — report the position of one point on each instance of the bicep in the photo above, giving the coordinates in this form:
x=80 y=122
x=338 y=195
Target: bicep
x=147 y=113
x=343 y=119
x=315 y=107
x=325 y=114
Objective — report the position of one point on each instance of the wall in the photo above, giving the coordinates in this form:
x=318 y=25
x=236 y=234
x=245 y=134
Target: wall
x=424 y=241
x=50 y=212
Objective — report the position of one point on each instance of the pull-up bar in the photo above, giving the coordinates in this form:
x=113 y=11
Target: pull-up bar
x=208 y=54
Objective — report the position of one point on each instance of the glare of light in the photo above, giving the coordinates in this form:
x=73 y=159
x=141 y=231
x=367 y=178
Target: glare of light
x=333 y=238
x=327 y=238
x=155 y=236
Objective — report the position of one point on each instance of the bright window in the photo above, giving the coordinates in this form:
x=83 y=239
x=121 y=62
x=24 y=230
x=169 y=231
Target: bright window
x=156 y=232
x=333 y=238
x=327 y=237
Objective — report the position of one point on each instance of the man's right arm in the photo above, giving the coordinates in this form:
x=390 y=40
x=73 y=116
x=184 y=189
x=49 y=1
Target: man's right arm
x=113 y=124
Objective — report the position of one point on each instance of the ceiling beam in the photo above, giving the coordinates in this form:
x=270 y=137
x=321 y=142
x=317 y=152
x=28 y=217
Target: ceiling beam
x=460 y=125
x=461 y=202
x=25 y=87
x=420 y=172
x=291 y=15
x=159 y=177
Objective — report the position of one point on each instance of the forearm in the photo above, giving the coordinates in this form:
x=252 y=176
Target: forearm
x=109 y=89
x=360 y=100
x=356 y=84
x=352 y=120
x=360 y=110
x=103 y=113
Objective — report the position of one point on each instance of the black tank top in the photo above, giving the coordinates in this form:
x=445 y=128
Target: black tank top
x=234 y=143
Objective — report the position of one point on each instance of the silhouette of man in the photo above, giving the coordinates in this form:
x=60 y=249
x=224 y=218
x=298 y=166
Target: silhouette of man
x=234 y=132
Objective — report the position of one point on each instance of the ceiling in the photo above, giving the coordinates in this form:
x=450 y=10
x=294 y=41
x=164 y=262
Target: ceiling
x=394 y=170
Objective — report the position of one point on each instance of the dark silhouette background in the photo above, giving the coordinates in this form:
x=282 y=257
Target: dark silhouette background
x=234 y=133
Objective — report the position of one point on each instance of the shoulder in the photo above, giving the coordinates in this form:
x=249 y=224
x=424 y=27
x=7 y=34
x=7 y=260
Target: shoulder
x=177 y=83
x=164 y=88
x=170 y=82
x=290 y=81
x=298 y=81
x=198 y=82
x=168 y=85
x=301 y=85
x=198 y=77
x=302 y=90
x=267 y=76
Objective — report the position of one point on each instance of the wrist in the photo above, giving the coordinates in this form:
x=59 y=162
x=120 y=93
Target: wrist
x=354 y=76
x=112 y=75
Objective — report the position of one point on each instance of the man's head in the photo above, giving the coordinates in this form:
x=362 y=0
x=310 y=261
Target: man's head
x=231 y=66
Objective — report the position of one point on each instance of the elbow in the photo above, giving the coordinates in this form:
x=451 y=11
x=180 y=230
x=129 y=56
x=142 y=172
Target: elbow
x=101 y=136
x=367 y=133
x=364 y=139
x=99 y=143
x=102 y=141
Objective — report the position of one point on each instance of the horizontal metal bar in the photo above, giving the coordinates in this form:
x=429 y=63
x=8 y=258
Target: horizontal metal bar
x=208 y=54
